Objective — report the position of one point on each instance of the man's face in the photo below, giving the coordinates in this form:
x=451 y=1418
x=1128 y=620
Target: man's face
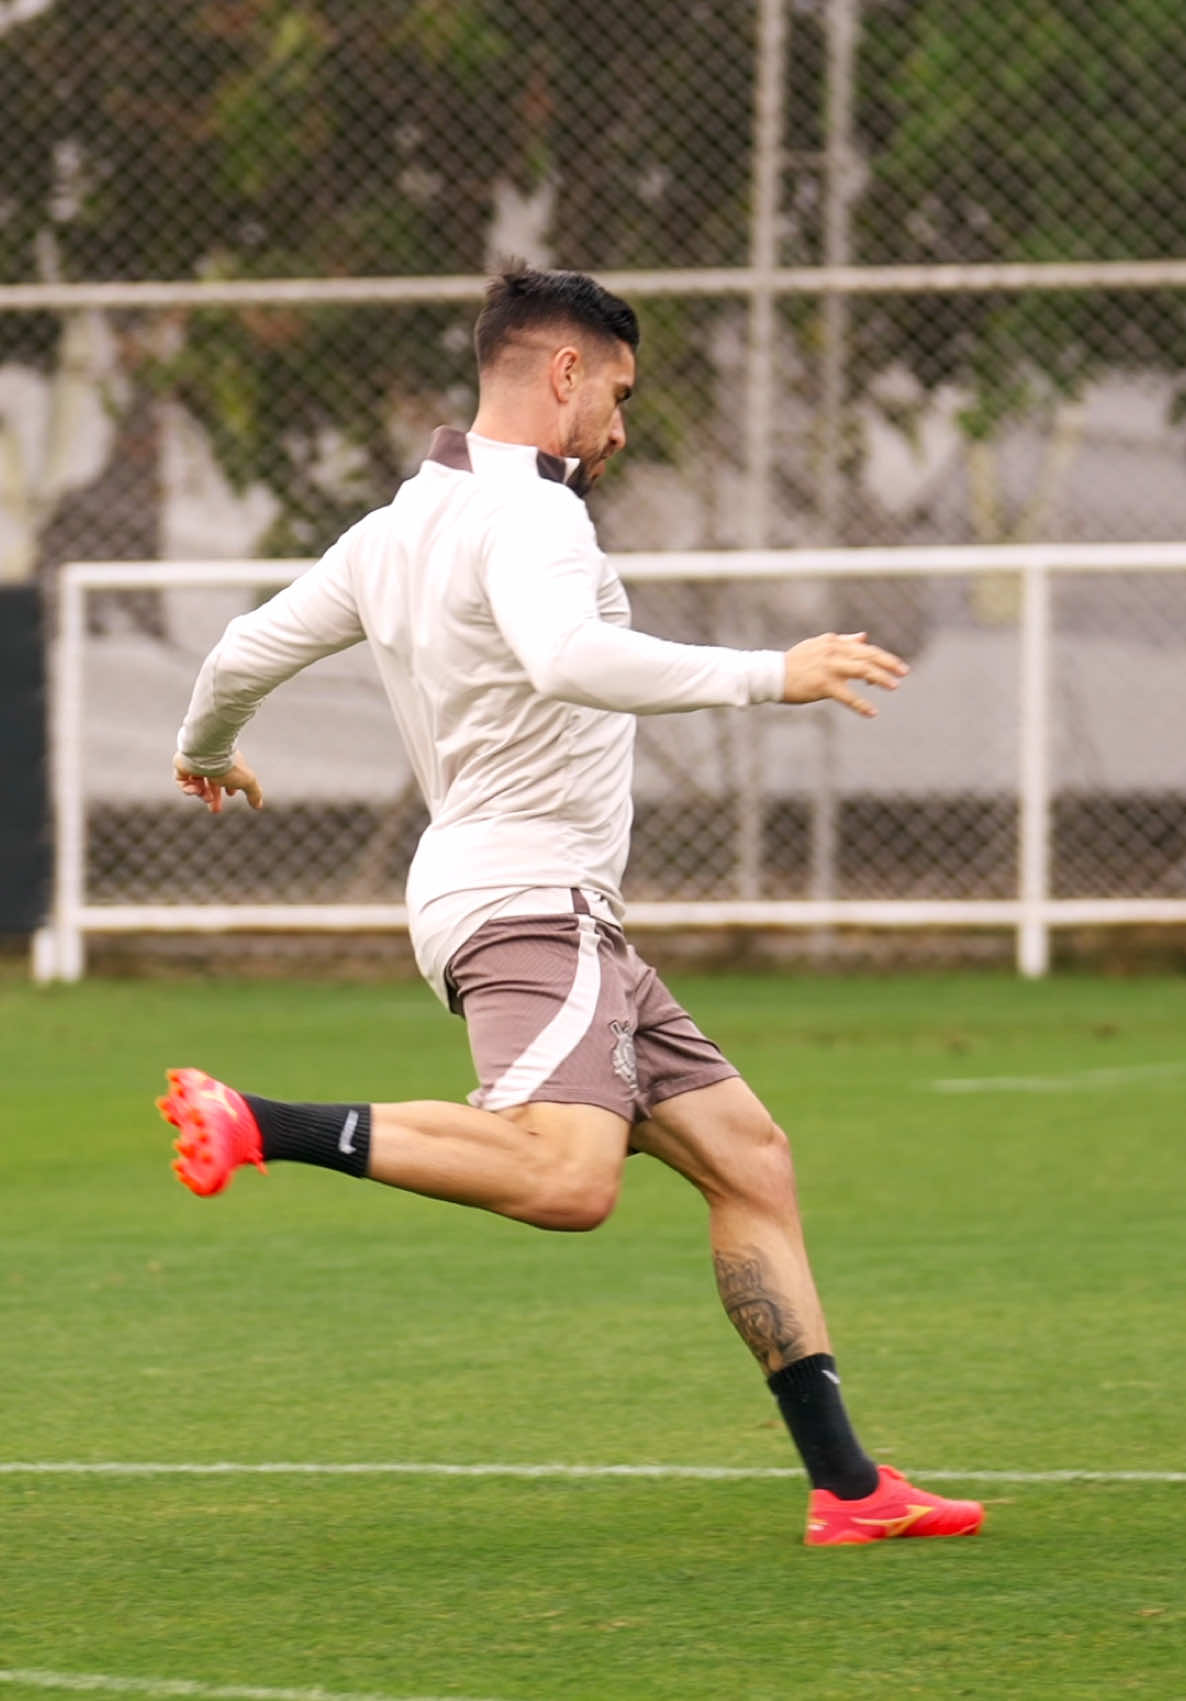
x=597 y=429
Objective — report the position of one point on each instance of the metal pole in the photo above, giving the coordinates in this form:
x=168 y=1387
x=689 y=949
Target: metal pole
x=841 y=29
x=770 y=82
x=841 y=33
x=1034 y=817
x=760 y=389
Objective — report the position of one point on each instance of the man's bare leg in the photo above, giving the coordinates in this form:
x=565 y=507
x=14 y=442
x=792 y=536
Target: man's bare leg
x=725 y=1143
x=557 y=1166
x=722 y=1140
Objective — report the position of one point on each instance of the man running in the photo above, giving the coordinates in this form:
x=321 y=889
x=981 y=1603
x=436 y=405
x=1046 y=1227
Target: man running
x=502 y=638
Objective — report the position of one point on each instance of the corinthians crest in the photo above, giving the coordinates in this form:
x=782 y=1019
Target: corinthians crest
x=623 y=1060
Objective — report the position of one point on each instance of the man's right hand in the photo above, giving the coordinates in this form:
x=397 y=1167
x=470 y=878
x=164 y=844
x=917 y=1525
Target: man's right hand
x=238 y=777
x=826 y=667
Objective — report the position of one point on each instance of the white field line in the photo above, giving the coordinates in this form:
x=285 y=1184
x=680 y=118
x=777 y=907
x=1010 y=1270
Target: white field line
x=1083 y=1081
x=412 y=1468
x=102 y=1683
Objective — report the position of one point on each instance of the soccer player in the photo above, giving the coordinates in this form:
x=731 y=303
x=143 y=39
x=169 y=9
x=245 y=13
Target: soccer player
x=503 y=641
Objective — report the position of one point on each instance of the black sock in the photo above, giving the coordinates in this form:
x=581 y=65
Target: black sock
x=808 y=1395
x=336 y=1136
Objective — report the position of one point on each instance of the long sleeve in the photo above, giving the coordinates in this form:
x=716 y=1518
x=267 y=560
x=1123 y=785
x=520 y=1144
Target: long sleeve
x=315 y=616
x=542 y=586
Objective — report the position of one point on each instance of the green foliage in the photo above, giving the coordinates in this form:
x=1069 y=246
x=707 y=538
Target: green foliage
x=460 y=39
x=273 y=97
x=260 y=138
x=1024 y=130
x=263 y=138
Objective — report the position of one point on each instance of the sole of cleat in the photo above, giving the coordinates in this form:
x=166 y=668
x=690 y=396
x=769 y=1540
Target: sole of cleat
x=211 y=1144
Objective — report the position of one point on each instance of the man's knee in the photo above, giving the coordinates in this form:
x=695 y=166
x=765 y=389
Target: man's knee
x=573 y=1198
x=572 y=1168
x=759 y=1166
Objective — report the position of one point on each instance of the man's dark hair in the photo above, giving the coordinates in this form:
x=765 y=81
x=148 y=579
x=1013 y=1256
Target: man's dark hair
x=522 y=299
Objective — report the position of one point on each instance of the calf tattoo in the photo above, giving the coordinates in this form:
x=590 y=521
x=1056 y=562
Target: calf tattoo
x=762 y=1317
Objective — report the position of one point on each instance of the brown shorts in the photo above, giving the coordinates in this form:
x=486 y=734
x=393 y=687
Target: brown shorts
x=560 y=1008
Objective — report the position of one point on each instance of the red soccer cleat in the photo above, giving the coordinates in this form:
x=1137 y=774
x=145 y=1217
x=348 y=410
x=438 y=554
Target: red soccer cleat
x=217 y=1131
x=895 y=1508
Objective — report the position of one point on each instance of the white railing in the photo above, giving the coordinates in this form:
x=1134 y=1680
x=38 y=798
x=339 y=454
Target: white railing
x=59 y=951
x=998 y=277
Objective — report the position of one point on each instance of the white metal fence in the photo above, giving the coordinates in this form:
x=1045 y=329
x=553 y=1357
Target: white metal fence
x=1031 y=774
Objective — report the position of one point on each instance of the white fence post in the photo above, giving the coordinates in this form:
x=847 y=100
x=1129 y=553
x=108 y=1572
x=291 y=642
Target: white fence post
x=1034 y=814
x=67 y=959
x=773 y=30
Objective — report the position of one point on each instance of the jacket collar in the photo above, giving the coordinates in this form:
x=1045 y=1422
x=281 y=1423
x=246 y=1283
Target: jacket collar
x=451 y=448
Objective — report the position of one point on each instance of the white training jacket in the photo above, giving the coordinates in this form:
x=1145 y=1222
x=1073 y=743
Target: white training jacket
x=502 y=640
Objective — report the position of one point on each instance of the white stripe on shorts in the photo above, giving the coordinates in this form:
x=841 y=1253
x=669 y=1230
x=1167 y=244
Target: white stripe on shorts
x=561 y=1035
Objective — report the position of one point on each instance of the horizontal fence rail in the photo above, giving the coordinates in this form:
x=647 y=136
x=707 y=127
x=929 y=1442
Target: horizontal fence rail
x=637 y=567
x=970 y=279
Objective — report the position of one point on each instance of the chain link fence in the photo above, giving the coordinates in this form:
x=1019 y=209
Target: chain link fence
x=816 y=205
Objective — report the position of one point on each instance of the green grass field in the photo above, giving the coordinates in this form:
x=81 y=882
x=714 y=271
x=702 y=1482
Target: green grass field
x=1003 y=1270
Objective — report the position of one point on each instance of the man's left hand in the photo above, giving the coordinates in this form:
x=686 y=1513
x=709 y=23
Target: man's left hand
x=238 y=777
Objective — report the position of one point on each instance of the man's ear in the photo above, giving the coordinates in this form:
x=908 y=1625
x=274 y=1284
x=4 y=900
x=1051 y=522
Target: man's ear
x=565 y=372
